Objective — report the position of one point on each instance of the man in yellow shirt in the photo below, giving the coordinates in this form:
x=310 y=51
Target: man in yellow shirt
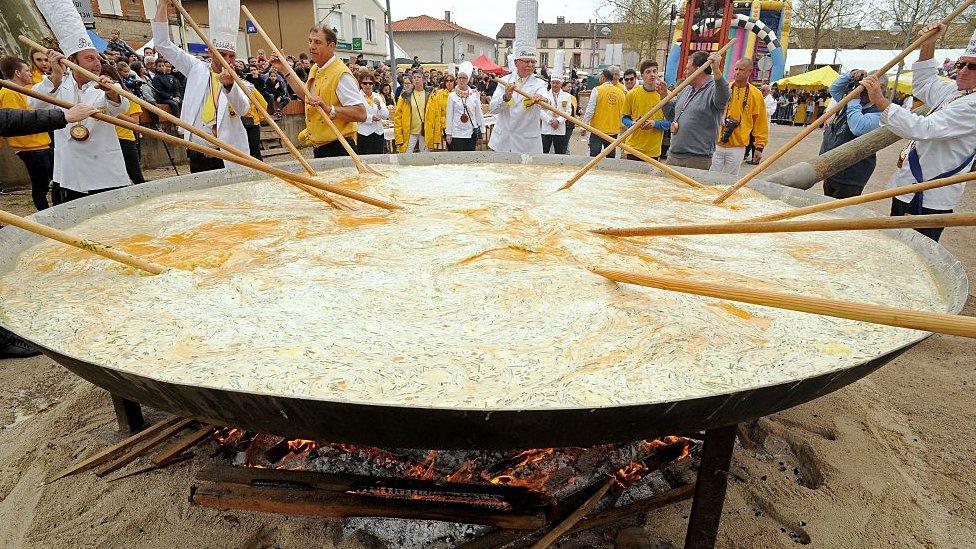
x=130 y=143
x=604 y=111
x=744 y=115
x=252 y=123
x=34 y=150
x=416 y=131
x=640 y=100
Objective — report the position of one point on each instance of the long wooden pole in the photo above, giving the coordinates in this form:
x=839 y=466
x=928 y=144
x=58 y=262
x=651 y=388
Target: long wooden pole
x=249 y=162
x=606 y=137
x=870 y=197
x=865 y=312
x=856 y=92
x=92 y=246
x=854 y=224
x=251 y=93
x=647 y=116
x=360 y=165
x=206 y=136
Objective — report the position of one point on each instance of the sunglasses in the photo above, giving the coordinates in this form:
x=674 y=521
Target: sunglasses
x=960 y=66
x=629 y=79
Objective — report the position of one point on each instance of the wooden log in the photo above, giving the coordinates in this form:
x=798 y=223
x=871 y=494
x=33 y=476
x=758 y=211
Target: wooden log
x=606 y=137
x=569 y=522
x=865 y=198
x=216 y=153
x=647 y=116
x=360 y=165
x=116 y=449
x=136 y=450
x=864 y=312
x=852 y=224
x=180 y=446
x=855 y=93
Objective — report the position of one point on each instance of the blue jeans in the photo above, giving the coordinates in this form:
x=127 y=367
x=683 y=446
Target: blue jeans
x=597 y=144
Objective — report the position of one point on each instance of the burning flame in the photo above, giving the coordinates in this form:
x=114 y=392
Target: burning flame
x=426 y=470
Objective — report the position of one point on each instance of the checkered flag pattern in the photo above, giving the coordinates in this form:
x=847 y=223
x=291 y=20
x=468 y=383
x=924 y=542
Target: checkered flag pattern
x=750 y=24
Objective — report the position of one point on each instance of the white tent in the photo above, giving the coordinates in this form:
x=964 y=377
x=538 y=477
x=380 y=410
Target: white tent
x=869 y=60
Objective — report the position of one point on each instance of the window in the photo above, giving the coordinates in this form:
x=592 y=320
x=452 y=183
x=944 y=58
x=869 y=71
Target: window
x=370 y=25
x=577 y=60
x=543 y=43
x=110 y=7
x=508 y=43
x=577 y=43
x=470 y=48
x=335 y=21
x=354 y=27
x=544 y=59
x=560 y=44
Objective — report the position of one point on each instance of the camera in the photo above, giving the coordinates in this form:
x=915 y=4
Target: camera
x=728 y=127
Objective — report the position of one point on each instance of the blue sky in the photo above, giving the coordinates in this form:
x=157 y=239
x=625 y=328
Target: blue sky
x=487 y=16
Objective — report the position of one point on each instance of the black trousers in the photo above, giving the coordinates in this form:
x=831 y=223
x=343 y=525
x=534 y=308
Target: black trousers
x=549 y=144
x=597 y=145
x=130 y=154
x=331 y=150
x=632 y=157
x=899 y=208
x=466 y=143
x=373 y=143
x=841 y=190
x=67 y=195
x=40 y=168
x=253 y=139
x=203 y=163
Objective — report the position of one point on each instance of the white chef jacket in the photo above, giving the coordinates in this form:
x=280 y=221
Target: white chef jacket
x=97 y=162
x=378 y=108
x=944 y=139
x=230 y=129
x=455 y=109
x=564 y=103
x=517 y=129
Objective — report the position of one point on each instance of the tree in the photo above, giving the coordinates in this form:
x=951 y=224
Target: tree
x=823 y=17
x=908 y=17
x=642 y=25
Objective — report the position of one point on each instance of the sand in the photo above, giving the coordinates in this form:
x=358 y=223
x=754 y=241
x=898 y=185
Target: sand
x=885 y=462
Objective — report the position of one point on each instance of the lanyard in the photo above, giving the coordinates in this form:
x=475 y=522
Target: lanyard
x=692 y=97
x=745 y=102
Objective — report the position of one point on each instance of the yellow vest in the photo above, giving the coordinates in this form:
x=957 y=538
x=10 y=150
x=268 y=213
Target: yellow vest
x=638 y=102
x=609 y=108
x=324 y=83
x=10 y=99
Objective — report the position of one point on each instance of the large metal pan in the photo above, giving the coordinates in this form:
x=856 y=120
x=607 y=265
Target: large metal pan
x=445 y=428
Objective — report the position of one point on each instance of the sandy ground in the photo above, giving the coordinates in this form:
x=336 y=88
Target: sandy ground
x=885 y=462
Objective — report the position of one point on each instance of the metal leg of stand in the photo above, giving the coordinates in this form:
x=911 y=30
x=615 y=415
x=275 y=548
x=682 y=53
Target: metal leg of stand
x=128 y=414
x=706 y=507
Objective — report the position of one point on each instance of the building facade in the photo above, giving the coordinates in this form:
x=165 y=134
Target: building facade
x=585 y=44
x=441 y=40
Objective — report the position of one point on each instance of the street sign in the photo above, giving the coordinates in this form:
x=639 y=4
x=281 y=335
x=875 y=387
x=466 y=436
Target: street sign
x=357 y=44
x=343 y=46
x=249 y=27
x=84 y=8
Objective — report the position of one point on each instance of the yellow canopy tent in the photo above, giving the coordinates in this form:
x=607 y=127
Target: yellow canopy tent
x=905 y=82
x=818 y=79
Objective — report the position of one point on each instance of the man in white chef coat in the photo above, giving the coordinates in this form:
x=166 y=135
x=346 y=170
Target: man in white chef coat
x=518 y=121
x=944 y=142
x=212 y=101
x=87 y=155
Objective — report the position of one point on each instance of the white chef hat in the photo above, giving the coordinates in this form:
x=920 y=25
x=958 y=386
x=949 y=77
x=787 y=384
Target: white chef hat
x=559 y=66
x=65 y=22
x=971 y=48
x=225 y=18
x=526 y=29
x=466 y=68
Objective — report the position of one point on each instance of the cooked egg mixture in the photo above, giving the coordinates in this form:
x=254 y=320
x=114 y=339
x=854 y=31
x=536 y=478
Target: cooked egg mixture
x=475 y=295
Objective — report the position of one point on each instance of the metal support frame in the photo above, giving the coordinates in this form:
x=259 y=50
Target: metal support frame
x=128 y=414
x=706 y=507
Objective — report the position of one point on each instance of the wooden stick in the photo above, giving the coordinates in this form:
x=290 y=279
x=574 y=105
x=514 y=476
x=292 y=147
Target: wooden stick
x=206 y=136
x=92 y=246
x=647 y=116
x=251 y=93
x=865 y=312
x=576 y=516
x=870 y=197
x=174 y=450
x=216 y=153
x=141 y=448
x=114 y=450
x=855 y=93
x=606 y=137
x=360 y=165
x=853 y=224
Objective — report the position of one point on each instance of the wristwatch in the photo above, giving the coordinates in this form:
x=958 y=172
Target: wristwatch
x=332 y=111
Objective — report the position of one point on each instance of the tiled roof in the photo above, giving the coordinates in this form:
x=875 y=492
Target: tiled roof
x=426 y=23
x=559 y=30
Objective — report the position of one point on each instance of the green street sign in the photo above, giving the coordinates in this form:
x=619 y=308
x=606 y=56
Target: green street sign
x=357 y=44
x=343 y=45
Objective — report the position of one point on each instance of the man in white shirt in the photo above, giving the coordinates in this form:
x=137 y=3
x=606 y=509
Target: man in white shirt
x=554 y=126
x=944 y=142
x=211 y=101
x=87 y=155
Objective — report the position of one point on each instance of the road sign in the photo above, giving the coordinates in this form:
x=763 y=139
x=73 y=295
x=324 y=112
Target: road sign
x=343 y=46
x=357 y=44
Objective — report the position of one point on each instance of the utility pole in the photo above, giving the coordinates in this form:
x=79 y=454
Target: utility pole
x=389 y=33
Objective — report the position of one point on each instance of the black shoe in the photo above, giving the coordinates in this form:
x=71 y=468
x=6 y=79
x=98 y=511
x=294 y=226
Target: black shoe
x=15 y=347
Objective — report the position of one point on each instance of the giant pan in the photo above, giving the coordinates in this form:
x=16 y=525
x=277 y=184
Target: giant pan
x=449 y=428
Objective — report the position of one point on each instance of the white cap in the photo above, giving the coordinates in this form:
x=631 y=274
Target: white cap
x=65 y=22
x=466 y=68
x=526 y=29
x=559 y=66
x=225 y=19
x=971 y=48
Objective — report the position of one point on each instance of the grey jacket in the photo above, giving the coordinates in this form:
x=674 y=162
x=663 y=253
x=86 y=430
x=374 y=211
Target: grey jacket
x=699 y=118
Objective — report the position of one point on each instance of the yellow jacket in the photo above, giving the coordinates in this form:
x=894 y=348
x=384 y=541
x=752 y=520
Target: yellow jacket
x=439 y=97
x=752 y=118
x=401 y=123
